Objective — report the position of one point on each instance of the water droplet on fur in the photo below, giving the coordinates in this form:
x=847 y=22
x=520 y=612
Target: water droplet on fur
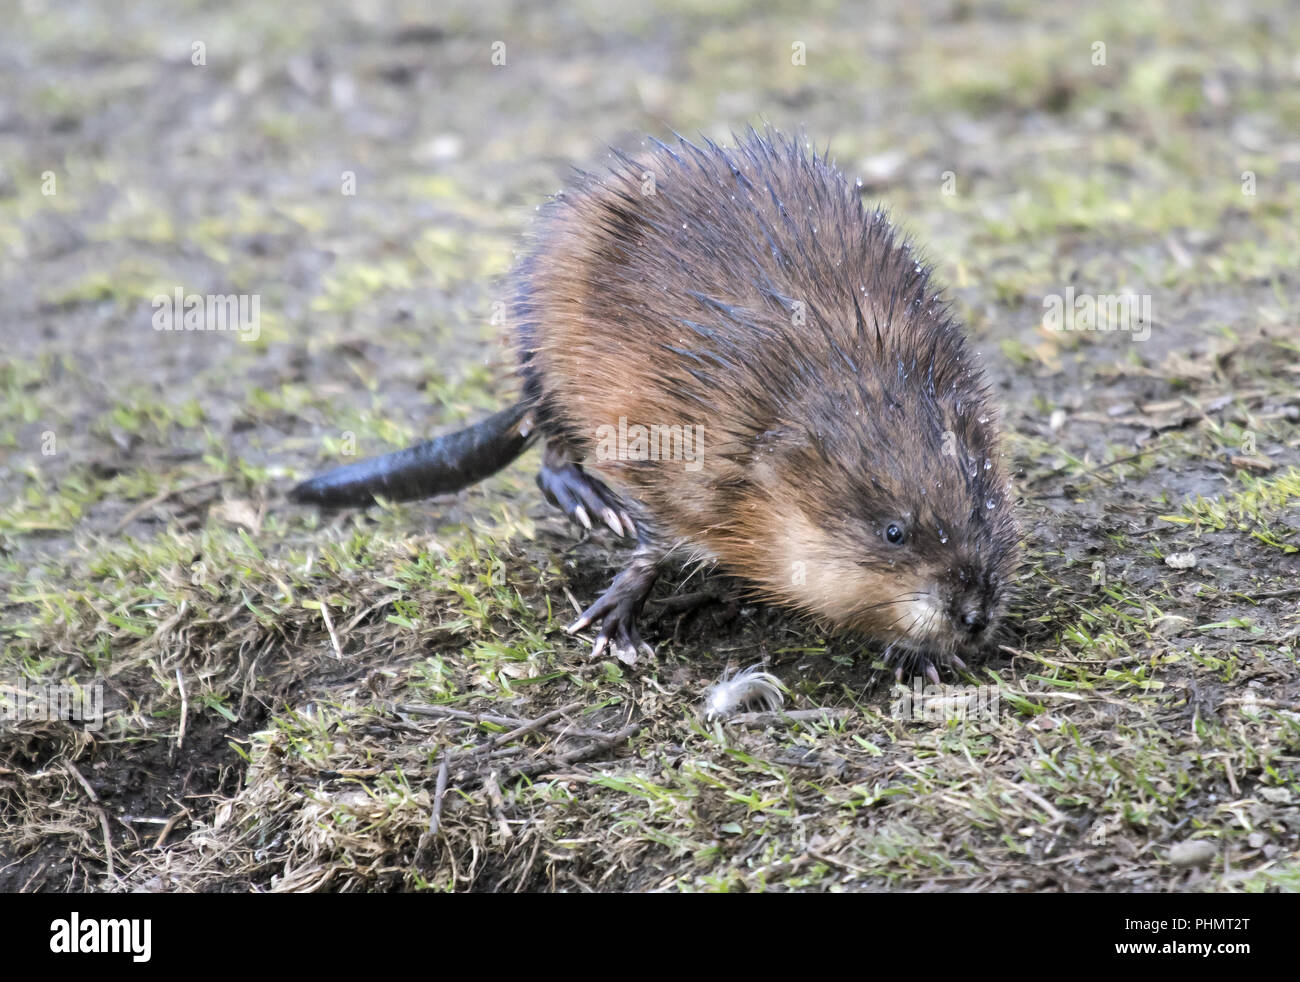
x=987 y=463
x=990 y=504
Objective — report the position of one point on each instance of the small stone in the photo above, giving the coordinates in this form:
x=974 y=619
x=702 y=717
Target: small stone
x=1194 y=852
x=1255 y=464
x=1168 y=625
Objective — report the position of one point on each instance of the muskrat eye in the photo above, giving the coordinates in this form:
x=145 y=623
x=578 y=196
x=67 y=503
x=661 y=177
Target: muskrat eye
x=895 y=534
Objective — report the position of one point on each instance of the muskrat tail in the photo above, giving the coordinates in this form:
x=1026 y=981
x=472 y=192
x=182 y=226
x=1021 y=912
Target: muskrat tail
x=439 y=466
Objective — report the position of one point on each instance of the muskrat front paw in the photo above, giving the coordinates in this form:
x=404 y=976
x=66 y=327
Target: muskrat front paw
x=579 y=495
x=923 y=666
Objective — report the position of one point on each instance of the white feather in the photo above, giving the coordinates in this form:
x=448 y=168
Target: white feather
x=749 y=687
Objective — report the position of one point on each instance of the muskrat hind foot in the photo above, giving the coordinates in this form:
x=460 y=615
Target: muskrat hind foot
x=618 y=609
x=579 y=495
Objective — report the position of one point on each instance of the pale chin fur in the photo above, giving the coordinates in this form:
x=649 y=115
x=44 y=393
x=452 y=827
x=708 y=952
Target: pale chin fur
x=926 y=639
x=923 y=619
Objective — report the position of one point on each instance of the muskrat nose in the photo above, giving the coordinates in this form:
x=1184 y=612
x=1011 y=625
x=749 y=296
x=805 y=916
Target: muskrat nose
x=975 y=619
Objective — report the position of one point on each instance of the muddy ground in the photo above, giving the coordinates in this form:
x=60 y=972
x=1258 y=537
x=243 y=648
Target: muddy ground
x=281 y=687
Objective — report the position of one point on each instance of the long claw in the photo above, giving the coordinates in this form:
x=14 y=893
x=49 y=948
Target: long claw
x=961 y=665
x=932 y=673
x=580 y=496
x=618 y=608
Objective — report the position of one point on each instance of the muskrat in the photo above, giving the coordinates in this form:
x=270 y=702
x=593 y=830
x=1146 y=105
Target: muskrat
x=765 y=372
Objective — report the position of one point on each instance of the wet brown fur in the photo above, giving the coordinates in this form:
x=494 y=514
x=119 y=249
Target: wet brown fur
x=753 y=296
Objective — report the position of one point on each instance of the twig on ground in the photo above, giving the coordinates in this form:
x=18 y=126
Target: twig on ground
x=470 y=774
x=533 y=725
x=185 y=711
x=1036 y=798
x=1252 y=701
x=435 y=819
x=794 y=716
x=103 y=815
x=415 y=709
x=573 y=756
x=493 y=789
x=329 y=626
x=171 y=824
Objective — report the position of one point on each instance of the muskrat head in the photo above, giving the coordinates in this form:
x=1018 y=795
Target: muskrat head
x=894 y=520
